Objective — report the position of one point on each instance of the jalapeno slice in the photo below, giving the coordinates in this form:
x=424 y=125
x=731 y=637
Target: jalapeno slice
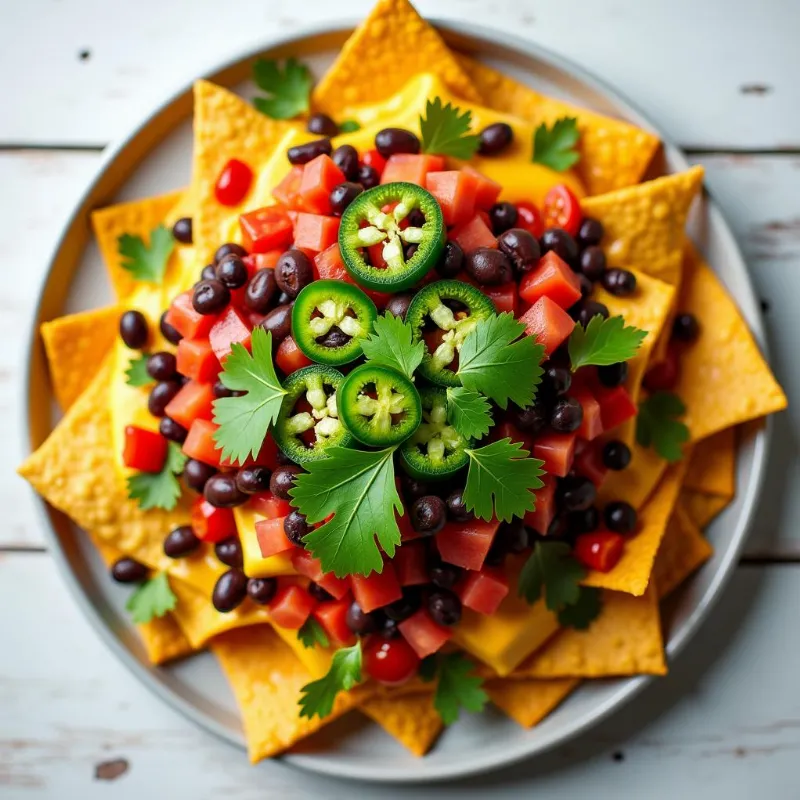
x=379 y=405
x=442 y=315
x=436 y=450
x=375 y=218
x=329 y=320
x=308 y=422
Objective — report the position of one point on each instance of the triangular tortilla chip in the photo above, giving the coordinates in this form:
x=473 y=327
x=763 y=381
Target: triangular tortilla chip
x=614 y=154
x=390 y=46
x=702 y=507
x=530 y=701
x=712 y=469
x=683 y=549
x=411 y=719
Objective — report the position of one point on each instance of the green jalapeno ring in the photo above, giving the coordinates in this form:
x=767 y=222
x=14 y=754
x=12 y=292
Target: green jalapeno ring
x=326 y=305
x=445 y=450
x=428 y=303
x=311 y=383
x=374 y=420
x=384 y=228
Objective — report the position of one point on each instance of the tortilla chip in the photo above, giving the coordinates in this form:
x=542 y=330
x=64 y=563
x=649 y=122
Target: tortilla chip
x=644 y=224
x=682 y=551
x=266 y=680
x=411 y=719
x=636 y=484
x=701 y=507
x=632 y=572
x=614 y=154
x=530 y=701
x=390 y=46
x=724 y=378
x=76 y=346
x=712 y=469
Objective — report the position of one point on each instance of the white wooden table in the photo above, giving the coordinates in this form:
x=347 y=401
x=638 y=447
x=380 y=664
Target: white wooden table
x=720 y=78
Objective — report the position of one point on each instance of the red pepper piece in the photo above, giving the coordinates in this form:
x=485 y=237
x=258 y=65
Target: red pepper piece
x=233 y=183
x=144 y=450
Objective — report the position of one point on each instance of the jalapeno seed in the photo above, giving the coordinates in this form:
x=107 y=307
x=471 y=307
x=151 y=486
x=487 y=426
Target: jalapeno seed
x=261 y=290
x=503 y=216
x=134 y=330
x=161 y=366
x=345 y=156
x=229 y=552
x=230 y=590
x=222 y=492
x=342 y=195
x=303 y=153
x=210 y=297
x=232 y=271
x=489 y=266
x=495 y=138
x=172 y=431
x=128 y=570
x=293 y=272
x=196 y=474
x=392 y=141
x=160 y=396
x=322 y=124
x=279 y=323
x=182 y=230
x=181 y=542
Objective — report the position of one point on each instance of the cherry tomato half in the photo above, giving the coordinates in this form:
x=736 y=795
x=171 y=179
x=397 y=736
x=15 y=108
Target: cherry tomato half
x=562 y=210
x=233 y=183
x=600 y=550
x=390 y=661
x=530 y=218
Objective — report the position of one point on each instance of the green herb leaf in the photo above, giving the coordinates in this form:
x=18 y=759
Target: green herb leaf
x=244 y=421
x=445 y=130
x=501 y=480
x=317 y=698
x=427 y=668
x=391 y=345
x=349 y=126
x=288 y=90
x=357 y=487
x=555 y=147
x=551 y=568
x=658 y=426
x=603 y=342
x=312 y=633
x=153 y=598
x=495 y=361
x=136 y=374
x=143 y=262
x=584 y=611
x=468 y=412
x=458 y=687
x=159 y=489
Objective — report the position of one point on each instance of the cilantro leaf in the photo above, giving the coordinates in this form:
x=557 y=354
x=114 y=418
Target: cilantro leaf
x=349 y=126
x=318 y=697
x=501 y=480
x=551 y=568
x=555 y=147
x=584 y=611
x=657 y=425
x=287 y=90
x=357 y=487
x=312 y=634
x=159 y=489
x=495 y=361
x=458 y=687
x=153 y=598
x=391 y=345
x=603 y=342
x=468 y=412
x=244 y=421
x=445 y=130
x=136 y=373
x=143 y=262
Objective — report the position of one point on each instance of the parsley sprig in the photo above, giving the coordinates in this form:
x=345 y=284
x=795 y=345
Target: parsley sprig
x=137 y=374
x=159 y=489
x=317 y=698
x=658 y=426
x=288 y=90
x=154 y=598
x=457 y=685
x=146 y=262
x=391 y=345
x=445 y=130
x=312 y=634
x=583 y=611
x=603 y=342
x=468 y=412
x=555 y=147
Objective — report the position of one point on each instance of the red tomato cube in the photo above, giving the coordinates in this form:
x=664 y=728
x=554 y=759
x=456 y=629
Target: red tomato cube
x=592 y=425
x=410 y=562
x=376 y=589
x=271 y=537
x=484 y=591
x=212 y=524
x=589 y=463
x=289 y=357
x=186 y=320
x=557 y=450
x=315 y=232
x=548 y=322
x=487 y=190
x=266 y=229
x=507 y=430
x=599 y=550
x=423 y=634
x=267 y=456
x=193 y=401
x=552 y=278
x=319 y=177
x=540 y=518
x=269 y=506
x=455 y=190
x=616 y=406
x=256 y=261
x=200 y=444
x=291 y=607
x=309 y=566
x=411 y=168
x=287 y=192
x=232 y=327
x=466 y=544
x=472 y=234
x=196 y=360
x=144 y=450
x=332 y=615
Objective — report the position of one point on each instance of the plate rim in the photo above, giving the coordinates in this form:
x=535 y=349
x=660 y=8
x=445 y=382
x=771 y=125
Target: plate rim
x=326 y=764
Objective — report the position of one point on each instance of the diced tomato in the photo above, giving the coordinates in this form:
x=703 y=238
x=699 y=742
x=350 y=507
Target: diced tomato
x=309 y=566
x=266 y=229
x=329 y=266
x=411 y=168
x=192 y=402
x=144 y=450
x=271 y=537
x=562 y=210
x=269 y=506
x=256 y=261
x=267 y=456
x=504 y=296
x=376 y=258
x=410 y=562
x=616 y=406
x=663 y=376
x=600 y=550
x=592 y=425
x=466 y=544
x=315 y=232
x=423 y=634
x=484 y=591
x=557 y=450
x=456 y=192
x=540 y=518
x=548 y=322
x=212 y=524
x=507 y=430
x=376 y=589
x=487 y=190
x=552 y=278
x=291 y=607
x=332 y=615
x=232 y=327
x=289 y=357
x=196 y=360
x=530 y=218
x=372 y=158
x=407 y=532
x=472 y=234
x=391 y=662
x=319 y=177
x=200 y=443
x=186 y=320
x=288 y=190
x=589 y=463
x=233 y=183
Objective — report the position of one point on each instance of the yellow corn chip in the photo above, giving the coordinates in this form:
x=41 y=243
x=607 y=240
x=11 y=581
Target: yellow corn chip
x=724 y=378
x=644 y=224
x=682 y=551
x=390 y=46
x=411 y=719
x=76 y=346
x=614 y=154
x=712 y=469
x=530 y=701
x=702 y=507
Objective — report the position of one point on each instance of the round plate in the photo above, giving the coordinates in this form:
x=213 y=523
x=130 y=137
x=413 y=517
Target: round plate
x=155 y=158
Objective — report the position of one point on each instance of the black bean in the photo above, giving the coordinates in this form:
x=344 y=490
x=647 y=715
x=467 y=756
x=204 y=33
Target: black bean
x=560 y=378
x=456 y=507
x=503 y=216
x=444 y=575
x=162 y=366
x=232 y=271
x=368 y=177
x=293 y=272
x=295 y=527
x=359 y=621
x=613 y=375
x=318 y=593
x=489 y=266
x=303 y=153
x=252 y=480
x=129 y=570
x=210 y=297
x=229 y=552
x=262 y=590
x=685 y=328
x=208 y=273
x=219 y=389
x=445 y=607
x=282 y=480
x=451 y=262
x=593 y=263
x=322 y=124
x=261 y=290
x=567 y=415
x=172 y=335
x=134 y=330
x=576 y=493
x=182 y=230
x=513 y=536
x=404 y=607
x=391 y=141
x=558 y=527
x=342 y=195
x=172 y=431
x=620 y=517
x=409 y=250
x=532 y=419
x=160 y=395
x=279 y=323
x=180 y=542
x=619 y=282
x=428 y=514
x=585 y=309
x=345 y=156
x=399 y=303
x=228 y=248
x=196 y=474
x=495 y=138
x=616 y=455
x=230 y=590
x=521 y=247
x=562 y=244
x=584 y=521
x=590 y=233
x=335 y=337
x=221 y=491
x=413 y=489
